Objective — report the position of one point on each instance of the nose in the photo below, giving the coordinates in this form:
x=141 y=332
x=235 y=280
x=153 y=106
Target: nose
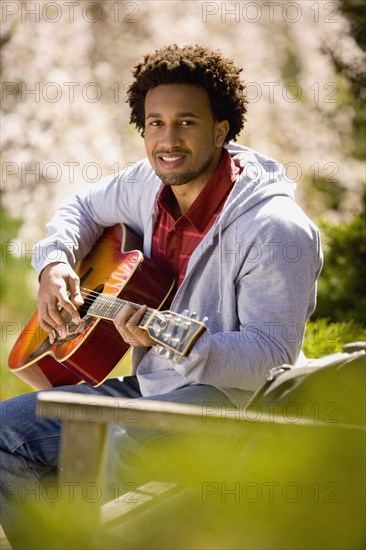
x=170 y=136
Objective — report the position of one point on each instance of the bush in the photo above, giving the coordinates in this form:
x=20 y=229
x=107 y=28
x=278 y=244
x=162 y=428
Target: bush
x=323 y=337
x=341 y=288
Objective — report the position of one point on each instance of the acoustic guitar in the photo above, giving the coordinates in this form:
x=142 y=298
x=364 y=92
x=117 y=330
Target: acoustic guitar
x=113 y=274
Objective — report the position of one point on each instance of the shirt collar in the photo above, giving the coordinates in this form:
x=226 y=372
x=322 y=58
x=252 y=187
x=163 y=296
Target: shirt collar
x=200 y=213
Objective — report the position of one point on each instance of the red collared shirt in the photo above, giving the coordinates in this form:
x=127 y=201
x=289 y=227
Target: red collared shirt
x=173 y=240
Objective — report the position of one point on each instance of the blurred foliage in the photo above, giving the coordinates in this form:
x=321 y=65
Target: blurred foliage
x=311 y=121
x=15 y=270
x=341 y=288
x=354 y=11
x=17 y=300
x=323 y=336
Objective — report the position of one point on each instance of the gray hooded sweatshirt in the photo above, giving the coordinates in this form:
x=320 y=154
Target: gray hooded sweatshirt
x=253 y=275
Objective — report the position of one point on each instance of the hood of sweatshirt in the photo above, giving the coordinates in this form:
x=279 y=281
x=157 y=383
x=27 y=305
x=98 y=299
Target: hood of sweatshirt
x=261 y=178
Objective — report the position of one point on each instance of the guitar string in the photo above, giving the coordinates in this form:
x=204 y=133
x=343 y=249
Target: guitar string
x=110 y=302
x=88 y=292
x=107 y=328
x=120 y=301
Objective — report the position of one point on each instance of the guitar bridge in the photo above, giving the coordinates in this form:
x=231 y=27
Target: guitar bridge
x=73 y=331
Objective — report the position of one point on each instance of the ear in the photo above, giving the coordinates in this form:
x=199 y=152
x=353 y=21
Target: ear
x=222 y=129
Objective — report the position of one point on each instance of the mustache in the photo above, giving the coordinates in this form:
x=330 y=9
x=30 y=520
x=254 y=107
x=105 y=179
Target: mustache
x=170 y=151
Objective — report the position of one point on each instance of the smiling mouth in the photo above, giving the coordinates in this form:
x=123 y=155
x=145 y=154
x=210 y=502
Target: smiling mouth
x=170 y=161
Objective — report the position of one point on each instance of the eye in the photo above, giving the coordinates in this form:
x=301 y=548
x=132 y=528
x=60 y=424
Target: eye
x=155 y=123
x=186 y=122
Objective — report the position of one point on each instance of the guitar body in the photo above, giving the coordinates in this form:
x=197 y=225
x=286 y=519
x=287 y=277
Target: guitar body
x=93 y=348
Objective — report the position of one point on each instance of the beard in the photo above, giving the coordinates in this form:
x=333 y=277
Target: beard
x=181 y=179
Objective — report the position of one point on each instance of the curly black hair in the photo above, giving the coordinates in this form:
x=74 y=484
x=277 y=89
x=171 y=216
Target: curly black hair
x=191 y=65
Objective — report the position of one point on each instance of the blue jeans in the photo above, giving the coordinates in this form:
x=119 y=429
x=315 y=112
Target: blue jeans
x=29 y=446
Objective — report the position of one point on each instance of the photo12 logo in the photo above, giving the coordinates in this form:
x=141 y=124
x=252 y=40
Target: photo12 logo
x=52 y=12
x=270 y=12
x=268 y=491
x=53 y=92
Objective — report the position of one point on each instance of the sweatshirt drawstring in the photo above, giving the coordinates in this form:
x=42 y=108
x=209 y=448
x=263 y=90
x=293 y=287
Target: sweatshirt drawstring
x=219 y=305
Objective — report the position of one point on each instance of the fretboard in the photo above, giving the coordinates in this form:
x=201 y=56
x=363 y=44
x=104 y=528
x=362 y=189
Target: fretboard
x=107 y=307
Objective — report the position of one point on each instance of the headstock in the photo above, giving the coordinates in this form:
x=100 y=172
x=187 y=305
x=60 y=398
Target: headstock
x=175 y=332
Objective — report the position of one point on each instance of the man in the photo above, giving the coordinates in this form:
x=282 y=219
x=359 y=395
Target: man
x=219 y=216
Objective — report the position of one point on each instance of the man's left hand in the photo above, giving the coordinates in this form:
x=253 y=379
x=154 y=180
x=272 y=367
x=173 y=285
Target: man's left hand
x=126 y=322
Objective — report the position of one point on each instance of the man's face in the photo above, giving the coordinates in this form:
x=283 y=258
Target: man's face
x=183 y=141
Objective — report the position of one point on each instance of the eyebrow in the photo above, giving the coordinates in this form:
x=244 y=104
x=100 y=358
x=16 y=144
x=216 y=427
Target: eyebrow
x=179 y=115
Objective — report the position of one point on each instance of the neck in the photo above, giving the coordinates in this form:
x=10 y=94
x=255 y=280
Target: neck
x=186 y=194
x=184 y=198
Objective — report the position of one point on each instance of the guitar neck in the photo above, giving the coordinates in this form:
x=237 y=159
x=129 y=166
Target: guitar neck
x=107 y=307
x=174 y=331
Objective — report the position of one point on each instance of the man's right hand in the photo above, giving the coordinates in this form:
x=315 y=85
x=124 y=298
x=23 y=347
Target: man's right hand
x=59 y=288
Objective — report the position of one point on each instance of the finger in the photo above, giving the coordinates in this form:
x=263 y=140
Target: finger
x=46 y=322
x=47 y=328
x=55 y=320
x=74 y=288
x=136 y=317
x=50 y=312
x=137 y=335
x=124 y=315
x=126 y=322
x=50 y=331
x=65 y=303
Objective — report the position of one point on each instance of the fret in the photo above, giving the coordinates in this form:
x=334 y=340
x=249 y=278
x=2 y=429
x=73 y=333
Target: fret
x=172 y=331
x=98 y=306
x=112 y=306
x=107 y=307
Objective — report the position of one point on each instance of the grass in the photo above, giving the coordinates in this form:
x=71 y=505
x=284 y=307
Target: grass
x=324 y=337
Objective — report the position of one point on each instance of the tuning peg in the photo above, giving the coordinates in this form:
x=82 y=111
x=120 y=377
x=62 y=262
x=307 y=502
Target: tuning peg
x=193 y=315
x=159 y=349
x=204 y=320
x=185 y=312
